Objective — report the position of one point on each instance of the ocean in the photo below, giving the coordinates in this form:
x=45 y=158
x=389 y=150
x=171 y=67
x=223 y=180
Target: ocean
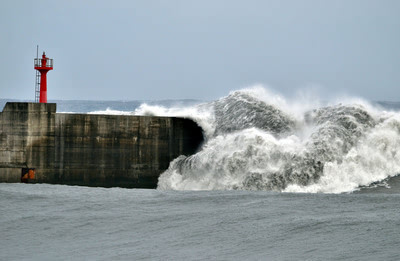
x=276 y=179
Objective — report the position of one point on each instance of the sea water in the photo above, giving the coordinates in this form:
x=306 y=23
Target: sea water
x=58 y=222
x=276 y=179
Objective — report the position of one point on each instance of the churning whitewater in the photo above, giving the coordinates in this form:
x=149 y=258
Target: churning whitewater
x=257 y=140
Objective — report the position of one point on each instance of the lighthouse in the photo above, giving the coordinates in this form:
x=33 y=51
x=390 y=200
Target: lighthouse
x=42 y=65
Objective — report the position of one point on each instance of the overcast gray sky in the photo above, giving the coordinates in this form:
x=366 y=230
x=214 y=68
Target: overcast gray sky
x=127 y=50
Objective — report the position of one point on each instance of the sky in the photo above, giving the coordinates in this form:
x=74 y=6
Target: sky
x=184 y=49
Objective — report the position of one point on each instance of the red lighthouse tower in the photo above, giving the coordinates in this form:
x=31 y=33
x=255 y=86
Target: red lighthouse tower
x=42 y=65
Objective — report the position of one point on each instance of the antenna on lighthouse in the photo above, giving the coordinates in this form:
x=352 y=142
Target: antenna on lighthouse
x=42 y=65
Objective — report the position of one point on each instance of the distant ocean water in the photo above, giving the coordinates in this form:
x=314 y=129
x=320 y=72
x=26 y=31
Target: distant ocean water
x=276 y=179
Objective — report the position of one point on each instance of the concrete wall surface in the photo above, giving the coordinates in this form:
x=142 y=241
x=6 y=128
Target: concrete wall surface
x=91 y=150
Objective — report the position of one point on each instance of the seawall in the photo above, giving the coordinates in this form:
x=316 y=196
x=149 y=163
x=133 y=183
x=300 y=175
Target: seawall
x=90 y=150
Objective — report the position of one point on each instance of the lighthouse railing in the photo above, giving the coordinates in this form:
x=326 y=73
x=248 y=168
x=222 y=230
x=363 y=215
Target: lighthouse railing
x=49 y=62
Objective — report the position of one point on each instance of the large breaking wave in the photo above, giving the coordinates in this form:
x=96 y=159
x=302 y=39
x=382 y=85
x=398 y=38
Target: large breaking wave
x=257 y=140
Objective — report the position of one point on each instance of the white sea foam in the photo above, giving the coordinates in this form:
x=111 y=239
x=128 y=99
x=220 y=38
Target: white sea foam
x=110 y=111
x=226 y=161
x=298 y=147
x=375 y=158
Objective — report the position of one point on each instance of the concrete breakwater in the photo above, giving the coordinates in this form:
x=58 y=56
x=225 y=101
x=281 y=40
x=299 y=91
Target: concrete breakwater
x=91 y=150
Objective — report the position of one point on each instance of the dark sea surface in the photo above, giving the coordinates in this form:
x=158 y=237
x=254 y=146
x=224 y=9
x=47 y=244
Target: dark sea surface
x=268 y=184
x=56 y=222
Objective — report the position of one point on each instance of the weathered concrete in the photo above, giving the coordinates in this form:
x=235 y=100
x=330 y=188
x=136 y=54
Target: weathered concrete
x=92 y=150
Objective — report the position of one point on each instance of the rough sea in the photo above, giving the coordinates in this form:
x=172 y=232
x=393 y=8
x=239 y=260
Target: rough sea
x=277 y=178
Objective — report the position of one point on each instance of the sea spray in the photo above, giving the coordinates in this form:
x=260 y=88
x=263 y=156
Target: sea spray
x=258 y=140
x=201 y=113
x=374 y=158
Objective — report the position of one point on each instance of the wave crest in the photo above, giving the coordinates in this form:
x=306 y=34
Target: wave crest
x=258 y=143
